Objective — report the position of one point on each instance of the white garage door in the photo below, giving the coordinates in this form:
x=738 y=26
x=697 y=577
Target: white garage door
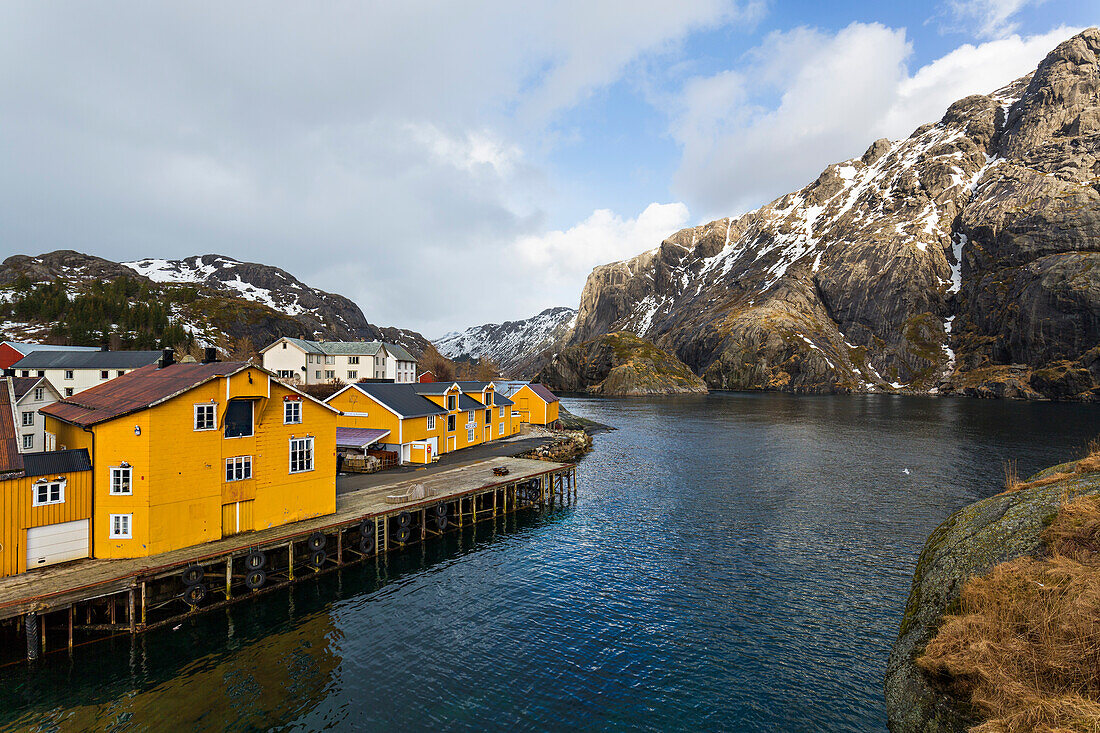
x=56 y=543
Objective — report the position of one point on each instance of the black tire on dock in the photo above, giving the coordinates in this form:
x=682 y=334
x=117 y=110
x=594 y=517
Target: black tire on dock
x=401 y=534
x=404 y=519
x=255 y=560
x=194 y=594
x=367 y=527
x=192 y=575
x=317 y=541
x=317 y=559
x=366 y=542
x=440 y=510
x=255 y=579
x=441 y=521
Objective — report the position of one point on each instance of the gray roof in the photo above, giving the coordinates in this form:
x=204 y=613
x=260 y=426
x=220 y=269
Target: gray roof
x=351 y=348
x=508 y=387
x=500 y=400
x=432 y=387
x=465 y=402
x=25 y=348
x=401 y=398
x=56 y=461
x=86 y=359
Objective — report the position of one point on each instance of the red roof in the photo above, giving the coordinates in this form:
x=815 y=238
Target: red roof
x=543 y=392
x=137 y=390
x=11 y=460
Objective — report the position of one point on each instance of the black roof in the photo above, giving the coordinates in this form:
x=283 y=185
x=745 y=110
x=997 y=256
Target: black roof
x=431 y=387
x=500 y=400
x=56 y=461
x=401 y=398
x=466 y=402
x=86 y=360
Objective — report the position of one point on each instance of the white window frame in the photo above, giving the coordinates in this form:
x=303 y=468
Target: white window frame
x=104 y=373
x=329 y=359
x=121 y=526
x=39 y=394
x=471 y=435
x=317 y=374
x=353 y=374
x=287 y=412
x=305 y=445
x=119 y=472
x=500 y=430
x=239 y=467
x=431 y=422
x=28 y=418
x=500 y=411
x=68 y=391
x=330 y=374
x=470 y=416
x=69 y=374
x=353 y=360
x=36 y=499
x=212 y=407
x=28 y=441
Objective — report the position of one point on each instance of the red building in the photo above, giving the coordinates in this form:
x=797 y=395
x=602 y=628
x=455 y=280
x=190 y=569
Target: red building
x=426 y=377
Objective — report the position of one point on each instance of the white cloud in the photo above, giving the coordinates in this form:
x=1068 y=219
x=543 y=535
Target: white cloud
x=989 y=18
x=358 y=145
x=833 y=95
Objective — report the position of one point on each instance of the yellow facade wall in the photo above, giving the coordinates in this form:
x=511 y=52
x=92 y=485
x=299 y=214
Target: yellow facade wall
x=18 y=514
x=178 y=484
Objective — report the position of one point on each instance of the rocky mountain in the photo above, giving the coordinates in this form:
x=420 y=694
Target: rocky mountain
x=517 y=347
x=964 y=258
x=621 y=365
x=215 y=297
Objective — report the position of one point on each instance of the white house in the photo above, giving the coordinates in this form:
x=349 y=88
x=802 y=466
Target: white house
x=72 y=372
x=26 y=396
x=316 y=362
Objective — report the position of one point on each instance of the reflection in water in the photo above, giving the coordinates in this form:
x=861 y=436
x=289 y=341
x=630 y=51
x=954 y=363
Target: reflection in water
x=736 y=562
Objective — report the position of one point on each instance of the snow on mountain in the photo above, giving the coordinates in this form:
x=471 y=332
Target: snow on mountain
x=514 y=345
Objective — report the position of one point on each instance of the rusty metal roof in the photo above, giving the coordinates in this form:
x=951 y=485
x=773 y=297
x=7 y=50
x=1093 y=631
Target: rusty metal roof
x=543 y=392
x=11 y=461
x=138 y=390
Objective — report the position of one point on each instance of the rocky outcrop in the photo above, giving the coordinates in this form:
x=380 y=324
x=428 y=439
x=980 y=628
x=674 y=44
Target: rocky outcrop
x=219 y=297
x=969 y=543
x=968 y=249
x=619 y=364
x=518 y=348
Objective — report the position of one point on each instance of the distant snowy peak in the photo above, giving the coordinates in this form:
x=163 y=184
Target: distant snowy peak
x=513 y=345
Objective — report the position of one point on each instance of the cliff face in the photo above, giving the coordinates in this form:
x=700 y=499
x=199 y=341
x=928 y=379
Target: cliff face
x=216 y=296
x=962 y=259
x=619 y=364
x=518 y=348
x=969 y=543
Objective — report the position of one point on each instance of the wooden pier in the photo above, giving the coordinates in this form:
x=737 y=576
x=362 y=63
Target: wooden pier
x=89 y=599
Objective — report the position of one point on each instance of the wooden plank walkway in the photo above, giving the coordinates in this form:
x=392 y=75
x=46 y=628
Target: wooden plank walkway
x=58 y=586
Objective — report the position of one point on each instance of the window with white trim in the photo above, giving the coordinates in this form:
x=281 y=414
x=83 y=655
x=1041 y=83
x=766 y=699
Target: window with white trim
x=353 y=373
x=470 y=435
x=470 y=416
x=121 y=480
x=301 y=455
x=489 y=399
x=431 y=422
x=206 y=416
x=500 y=429
x=330 y=374
x=104 y=374
x=450 y=423
x=330 y=359
x=317 y=373
x=292 y=412
x=28 y=442
x=68 y=391
x=39 y=393
x=28 y=418
x=353 y=360
x=49 y=492
x=68 y=374
x=451 y=402
x=286 y=373
x=120 y=526
x=238 y=468
x=26 y=372
x=120 y=372
x=500 y=412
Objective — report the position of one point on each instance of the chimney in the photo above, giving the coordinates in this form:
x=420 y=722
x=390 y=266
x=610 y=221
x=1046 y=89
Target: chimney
x=209 y=355
x=167 y=358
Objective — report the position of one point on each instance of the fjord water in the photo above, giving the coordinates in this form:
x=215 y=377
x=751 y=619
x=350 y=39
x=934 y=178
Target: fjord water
x=735 y=562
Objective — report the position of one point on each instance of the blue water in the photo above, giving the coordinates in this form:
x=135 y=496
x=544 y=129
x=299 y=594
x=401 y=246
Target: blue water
x=735 y=562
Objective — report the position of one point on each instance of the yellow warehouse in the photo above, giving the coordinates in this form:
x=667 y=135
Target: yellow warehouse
x=536 y=404
x=188 y=453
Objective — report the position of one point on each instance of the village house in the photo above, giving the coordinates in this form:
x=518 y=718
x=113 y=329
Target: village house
x=71 y=372
x=535 y=404
x=46 y=501
x=317 y=362
x=187 y=453
x=28 y=395
x=425 y=420
x=13 y=351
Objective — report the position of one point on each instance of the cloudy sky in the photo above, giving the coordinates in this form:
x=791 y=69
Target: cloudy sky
x=450 y=164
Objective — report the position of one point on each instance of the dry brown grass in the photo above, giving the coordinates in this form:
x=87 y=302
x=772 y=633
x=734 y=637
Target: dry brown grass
x=1024 y=648
x=1089 y=464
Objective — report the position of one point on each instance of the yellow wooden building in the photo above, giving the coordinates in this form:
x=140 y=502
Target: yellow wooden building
x=188 y=453
x=425 y=420
x=536 y=404
x=45 y=501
